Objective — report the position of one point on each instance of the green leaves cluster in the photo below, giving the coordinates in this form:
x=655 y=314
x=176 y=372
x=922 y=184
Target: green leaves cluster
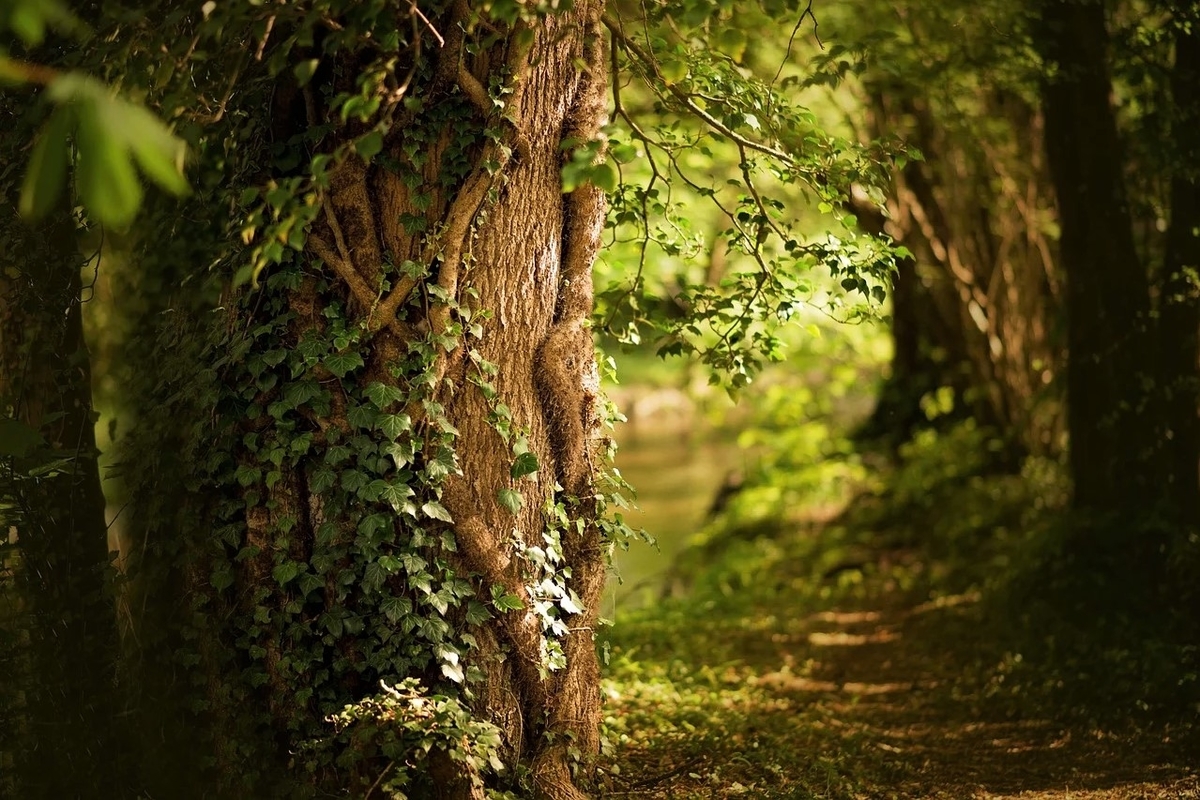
x=695 y=129
x=390 y=736
x=112 y=140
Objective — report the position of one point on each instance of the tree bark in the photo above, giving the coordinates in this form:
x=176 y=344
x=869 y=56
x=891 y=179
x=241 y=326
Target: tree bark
x=1107 y=294
x=488 y=344
x=68 y=742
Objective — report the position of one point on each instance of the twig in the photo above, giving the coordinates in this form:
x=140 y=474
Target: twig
x=417 y=11
x=690 y=105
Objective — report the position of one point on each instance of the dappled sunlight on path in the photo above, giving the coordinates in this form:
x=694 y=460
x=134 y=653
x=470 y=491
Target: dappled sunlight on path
x=867 y=703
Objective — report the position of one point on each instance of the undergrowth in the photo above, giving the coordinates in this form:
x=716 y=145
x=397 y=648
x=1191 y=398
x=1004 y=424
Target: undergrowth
x=729 y=685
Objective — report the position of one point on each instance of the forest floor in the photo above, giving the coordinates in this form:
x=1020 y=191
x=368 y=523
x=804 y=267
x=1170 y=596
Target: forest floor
x=784 y=673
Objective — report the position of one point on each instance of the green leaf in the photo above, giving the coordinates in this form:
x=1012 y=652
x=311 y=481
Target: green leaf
x=341 y=363
x=369 y=145
x=524 y=464
x=605 y=177
x=361 y=416
x=570 y=603
x=436 y=510
x=47 y=171
x=222 y=577
x=286 y=572
x=511 y=500
x=107 y=180
x=374 y=576
x=157 y=151
x=477 y=613
x=247 y=474
x=396 y=608
x=508 y=602
x=395 y=494
x=304 y=71
x=383 y=395
x=393 y=425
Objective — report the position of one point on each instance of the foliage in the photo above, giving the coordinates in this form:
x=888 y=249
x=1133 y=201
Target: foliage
x=401 y=726
x=754 y=179
x=742 y=686
x=106 y=134
x=242 y=400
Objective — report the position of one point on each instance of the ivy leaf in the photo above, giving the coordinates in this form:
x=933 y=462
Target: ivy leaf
x=341 y=363
x=353 y=480
x=396 y=608
x=524 y=464
x=509 y=602
x=396 y=493
x=453 y=671
x=401 y=453
x=247 y=474
x=361 y=416
x=310 y=583
x=477 y=613
x=383 y=395
x=569 y=603
x=511 y=499
x=222 y=577
x=436 y=510
x=374 y=576
x=393 y=425
x=285 y=572
x=440 y=603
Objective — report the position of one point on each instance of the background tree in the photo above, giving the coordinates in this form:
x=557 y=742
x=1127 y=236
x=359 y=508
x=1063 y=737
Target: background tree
x=1129 y=450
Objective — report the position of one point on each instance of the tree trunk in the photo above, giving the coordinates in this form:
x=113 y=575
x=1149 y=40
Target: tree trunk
x=1107 y=295
x=398 y=476
x=1179 y=288
x=66 y=733
x=973 y=308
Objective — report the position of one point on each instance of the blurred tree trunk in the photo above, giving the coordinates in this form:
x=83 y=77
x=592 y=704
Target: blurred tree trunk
x=1179 y=285
x=974 y=308
x=1107 y=287
x=65 y=732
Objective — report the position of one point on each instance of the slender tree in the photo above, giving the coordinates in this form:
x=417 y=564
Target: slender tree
x=59 y=704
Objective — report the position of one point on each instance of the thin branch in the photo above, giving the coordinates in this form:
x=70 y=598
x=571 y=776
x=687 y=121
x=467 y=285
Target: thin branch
x=690 y=104
x=417 y=11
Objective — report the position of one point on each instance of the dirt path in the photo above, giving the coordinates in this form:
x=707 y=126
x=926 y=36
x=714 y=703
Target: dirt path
x=868 y=702
x=877 y=670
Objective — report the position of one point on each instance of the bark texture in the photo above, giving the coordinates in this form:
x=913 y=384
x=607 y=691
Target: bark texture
x=478 y=204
